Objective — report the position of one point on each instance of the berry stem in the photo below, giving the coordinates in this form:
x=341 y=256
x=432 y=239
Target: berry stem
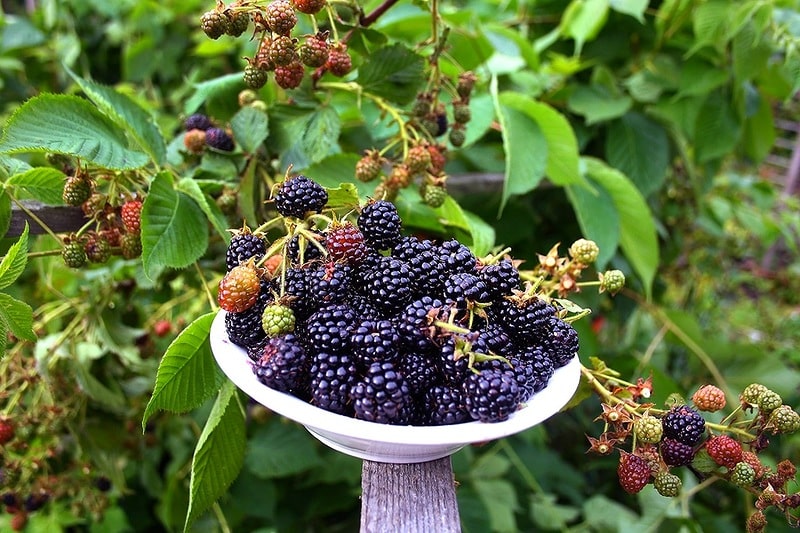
x=447 y=326
x=332 y=21
x=211 y=301
x=33 y=216
x=44 y=253
x=375 y=14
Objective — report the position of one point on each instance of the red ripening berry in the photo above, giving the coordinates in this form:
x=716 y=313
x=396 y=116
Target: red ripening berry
x=309 y=7
x=290 y=76
x=6 y=431
x=724 y=450
x=709 y=398
x=339 y=62
x=239 y=289
x=633 y=472
x=131 y=214
x=162 y=328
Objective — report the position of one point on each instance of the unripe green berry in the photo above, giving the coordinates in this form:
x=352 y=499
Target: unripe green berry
x=247 y=97
x=752 y=393
x=612 y=281
x=461 y=113
x=648 y=429
x=457 y=137
x=74 y=255
x=584 y=251
x=277 y=319
x=668 y=485
x=434 y=195
x=743 y=474
x=255 y=77
x=784 y=419
x=769 y=401
x=214 y=24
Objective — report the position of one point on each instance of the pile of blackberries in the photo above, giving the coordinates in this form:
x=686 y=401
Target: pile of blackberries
x=394 y=329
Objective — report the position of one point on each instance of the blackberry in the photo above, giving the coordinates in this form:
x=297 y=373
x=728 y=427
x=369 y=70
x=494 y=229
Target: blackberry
x=444 y=406
x=388 y=285
x=284 y=365
x=299 y=195
x=425 y=264
x=415 y=323
x=374 y=341
x=380 y=224
x=219 y=139
x=500 y=279
x=198 y=121
x=244 y=328
x=329 y=329
x=541 y=364
x=463 y=289
x=243 y=246
x=255 y=351
x=524 y=319
x=330 y=283
x=684 y=424
x=382 y=396
x=363 y=307
x=332 y=377
x=456 y=257
x=281 y=17
x=455 y=355
x=561 y=341
x=346 y=243
x=676 y=453
x=527 y=376
x=490 y=395
x=496 y=338
x=421 y=371
x=298 y=289
x=301 y=251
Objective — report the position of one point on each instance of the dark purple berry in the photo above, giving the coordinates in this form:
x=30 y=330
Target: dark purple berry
x=243 y=246
x=374 y=341
x=421 y=371
x=684 y=424
x=298 y=196
x=415 y=323
x=676 y=453
x=284 y=365
x=444 y=406
x=298 y=291
x=523 y=320
x=490 y=395
x=330 y=283
x=456 y=257
x=244 y=328
x=500 y=279
x=561 y=341
x=388 y=285
x=198 y=121
x=380 y=224
x=219 y=139
x=463 y=289
x=382 y=395
x=329 y=329
x=332 y=377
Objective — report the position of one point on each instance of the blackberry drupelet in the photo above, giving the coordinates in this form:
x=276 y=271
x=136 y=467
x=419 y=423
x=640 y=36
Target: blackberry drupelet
x=244 y=328
x=684 y=424
x=528 y=378
x=456 y=257
x=455 y=354
x=496 y=338
x=382 y=395
x=374 y=341
x=363 y=307
x=500 y=279
x=415 y=323
x=444 y=406
x=332 y=377
x=388 y=285
x=346 y=243
x=380 y=224
x=676 y=453
x=298 y=291
x=299 y=195
x=490 y=395
x=284 y=365
x=421 y=371
x=542 y=365
x=328 y=329
x=243 y=246
x=560 y=339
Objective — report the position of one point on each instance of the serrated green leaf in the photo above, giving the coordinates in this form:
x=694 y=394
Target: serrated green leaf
x=639 y=148
x=700 y=78
x=547 y=514
x=758 y=136
x=219 y=454
x=500 y=499
x=310 y=137
x=5 y=212
x=597 y=104
x=174 y=228
x=710 y=22
x=14 y=261
x=345 y=195
x=127 y=115
x=717 y=129
x=17 y=316
x=70 y=125
x=105 y=398
x=395 y=73
x=209 y=88
x=187 y=375
x=638 y=238
x=334 y=170
x=597 y=217
x=42 y=183
x=215 y=216
x=250 y=127
x=280 y=450
x=12 y=165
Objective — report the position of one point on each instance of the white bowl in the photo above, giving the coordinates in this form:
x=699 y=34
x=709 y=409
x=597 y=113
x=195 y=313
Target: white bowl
x=383 y=442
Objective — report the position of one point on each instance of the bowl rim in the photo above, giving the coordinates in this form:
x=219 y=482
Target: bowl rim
x=237 y=366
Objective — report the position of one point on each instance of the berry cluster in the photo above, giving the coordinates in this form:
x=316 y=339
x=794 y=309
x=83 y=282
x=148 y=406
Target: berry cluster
x=681 y=436
x=200 y=133
x=430 y=114
x=363 y=321
x=286 y=56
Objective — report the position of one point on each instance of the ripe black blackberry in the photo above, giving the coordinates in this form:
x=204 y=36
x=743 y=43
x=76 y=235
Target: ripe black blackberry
x=560 y=340
x=197 y=121
x=421 y=371
x=444 y=405
x=382 y=395
x=329 y=329
x=500 y=278
x=243 y=246
x=496 y=338
x=219 y=139
x=455 y=354
x=684 y=424
x=244 y=328
x=363 y=307
x=388 y=285
x=676 y=453
x=301 y=250
x=463 y=289
x=255 y=351
x=523 y=319
x=415 y=323
x=284 y=366
x=346 y=243
x=298 y=291
x=330 y=282
x=332 y=377
x=541 y=363
x=374 y=341
x=526 y=376
x=380 y=224
x=423 y=259
x=490 y=395
x=299 y=195
x=456 y=257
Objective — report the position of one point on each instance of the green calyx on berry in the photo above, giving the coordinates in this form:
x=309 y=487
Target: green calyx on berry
x=277 y=319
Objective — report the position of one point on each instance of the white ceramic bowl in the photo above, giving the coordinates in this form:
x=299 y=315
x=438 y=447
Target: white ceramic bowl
x=383 y=442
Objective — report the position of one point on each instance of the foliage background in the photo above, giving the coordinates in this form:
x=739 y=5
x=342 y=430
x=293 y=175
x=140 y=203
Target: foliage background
x=666 y=109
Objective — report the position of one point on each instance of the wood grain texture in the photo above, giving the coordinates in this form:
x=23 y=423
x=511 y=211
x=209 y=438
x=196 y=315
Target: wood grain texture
x=409 y=498
x=59 y=218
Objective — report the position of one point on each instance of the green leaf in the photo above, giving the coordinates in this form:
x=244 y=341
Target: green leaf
x=394 y=72
x=717 y=129
x=127 y=115
x=13 y=264
x=44 y=184
x=311 y=137
x=215 y=216
x=250 y=128
x=345 y=195
x=210 y=88
x=483 y=234
x=69 y=125
x=759 y=133
x=597 y=217
x=525 y=148
x=597 y=104
x=639 y=148
x=17 y=316
x=280 y=450
x=562 y=146
x=548 y=515
x=110 y=400
x=583 y=20
x=501 y=501
x=174 y=228
x=250 y=191
x=700 y=78
x=5 y=212
x=187 y=375
x=634 y=8
x=638 y=238
x=219 y=454
x=710 y=22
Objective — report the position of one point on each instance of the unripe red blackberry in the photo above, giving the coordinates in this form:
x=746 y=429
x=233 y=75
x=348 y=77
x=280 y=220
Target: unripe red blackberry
x=584 y=251
x=194 y=141
x=339 y=62
x=418 y=159
x=281 y=17
x=214 y=24
x=709 y=398
x=399 y=177
x=345 y=242
x=438 y=159
x=262 y=59
x=282 y=51
x=77 y=189
x=219 y=139
x=254 y=77
x=131 y=215
x=314 y=51
x=309 y=7
x=633 y=472
x=369 y=166
x=724 y=450
x=290 y=76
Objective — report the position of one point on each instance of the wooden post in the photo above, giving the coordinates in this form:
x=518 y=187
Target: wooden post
x=411 y=498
